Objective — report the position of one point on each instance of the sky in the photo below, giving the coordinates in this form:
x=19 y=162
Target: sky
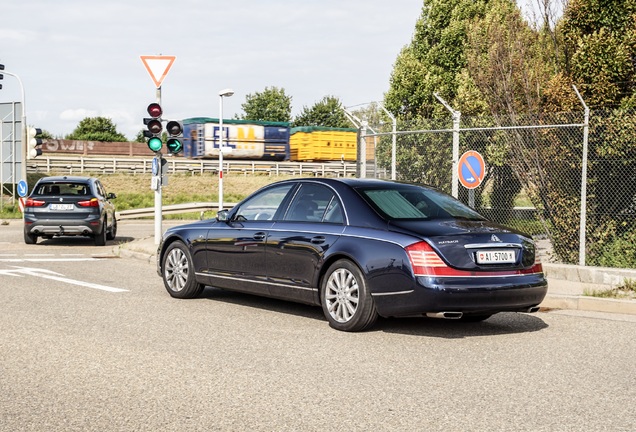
x=81 y=58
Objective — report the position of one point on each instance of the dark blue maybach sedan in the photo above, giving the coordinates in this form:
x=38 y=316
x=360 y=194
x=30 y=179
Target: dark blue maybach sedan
x=359 y=248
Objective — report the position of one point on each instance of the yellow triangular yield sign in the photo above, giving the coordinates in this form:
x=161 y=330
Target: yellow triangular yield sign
x=158 y=67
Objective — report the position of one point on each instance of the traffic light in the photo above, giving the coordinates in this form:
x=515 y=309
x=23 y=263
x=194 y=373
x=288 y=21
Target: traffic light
x=34 y=141
x=1 y=75
x=175 y=137
x=153 y=133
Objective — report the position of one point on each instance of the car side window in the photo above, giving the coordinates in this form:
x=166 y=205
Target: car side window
x=314 y=203
x=100 y=188
x=263 y=206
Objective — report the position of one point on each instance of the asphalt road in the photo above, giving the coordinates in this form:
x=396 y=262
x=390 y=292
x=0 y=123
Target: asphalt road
x=92 y=342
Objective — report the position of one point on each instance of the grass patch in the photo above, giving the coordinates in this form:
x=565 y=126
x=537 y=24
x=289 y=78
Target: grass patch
x=133 y=191
x=625 y=291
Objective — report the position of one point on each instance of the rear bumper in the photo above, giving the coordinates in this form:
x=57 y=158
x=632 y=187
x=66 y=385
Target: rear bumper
x=466 y=295
x=60 y=227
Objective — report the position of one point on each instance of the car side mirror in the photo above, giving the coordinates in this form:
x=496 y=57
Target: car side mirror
x=111 y=195
x=221 y=215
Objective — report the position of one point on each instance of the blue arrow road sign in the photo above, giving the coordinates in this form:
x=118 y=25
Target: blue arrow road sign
x=155 y=166
x=23 y=188
x=471 y=169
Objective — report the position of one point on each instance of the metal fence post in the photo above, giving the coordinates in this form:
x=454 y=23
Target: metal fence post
x=586 y=128
x=393 y=142
x=456 y=119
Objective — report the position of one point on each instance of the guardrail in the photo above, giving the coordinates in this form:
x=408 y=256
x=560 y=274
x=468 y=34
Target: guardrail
x=172 y=209
x=79 y=165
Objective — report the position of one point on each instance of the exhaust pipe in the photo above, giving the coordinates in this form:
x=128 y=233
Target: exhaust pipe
x=532 y=309
x=445 y=315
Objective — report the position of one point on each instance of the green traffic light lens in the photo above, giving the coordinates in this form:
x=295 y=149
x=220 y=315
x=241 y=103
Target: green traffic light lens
x=155 y=144
x=174 y=145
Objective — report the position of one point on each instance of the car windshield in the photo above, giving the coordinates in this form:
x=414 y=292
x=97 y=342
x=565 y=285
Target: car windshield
x=63 y=188
x=403 y=202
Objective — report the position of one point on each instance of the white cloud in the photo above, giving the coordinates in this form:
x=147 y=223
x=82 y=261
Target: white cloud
x=79 y=55
x=77 y=114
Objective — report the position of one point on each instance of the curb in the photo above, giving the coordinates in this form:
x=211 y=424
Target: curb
x=590 y=275
x=591 y=304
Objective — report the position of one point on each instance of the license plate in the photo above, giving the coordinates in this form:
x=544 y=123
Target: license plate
x=496 y=257
x=62 y=206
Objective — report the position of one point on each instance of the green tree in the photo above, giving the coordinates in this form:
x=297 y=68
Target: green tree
x=96 y=129
x=272 y=104
x=140 y=137
x=434 y=60
x=328 y=112
x=600 y=45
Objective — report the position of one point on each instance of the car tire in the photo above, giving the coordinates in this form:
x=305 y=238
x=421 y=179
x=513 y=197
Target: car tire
x=346 y=300
x=177 y=272
x=110 y=235
x=30 y=238
x=100 y=239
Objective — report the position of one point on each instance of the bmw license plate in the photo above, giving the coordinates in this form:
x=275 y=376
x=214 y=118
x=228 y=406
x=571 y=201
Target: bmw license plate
x=496 y=257
x=62 y=206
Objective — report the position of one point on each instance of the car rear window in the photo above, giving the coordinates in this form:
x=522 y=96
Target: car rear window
x=404 y=202
x=62 y=188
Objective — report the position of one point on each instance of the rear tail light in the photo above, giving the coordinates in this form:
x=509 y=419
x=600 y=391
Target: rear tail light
x=93 y=202
x=30 y=202
x=426 y=262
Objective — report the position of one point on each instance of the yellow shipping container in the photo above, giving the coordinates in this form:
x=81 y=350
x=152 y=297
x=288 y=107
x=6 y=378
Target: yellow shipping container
x=313 y=143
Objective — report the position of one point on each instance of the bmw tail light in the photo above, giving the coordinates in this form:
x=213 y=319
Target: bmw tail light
x=30 y=202
x=93 y=202
x=426 y=262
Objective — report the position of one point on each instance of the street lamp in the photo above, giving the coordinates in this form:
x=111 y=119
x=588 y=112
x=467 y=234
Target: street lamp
x=223 y=93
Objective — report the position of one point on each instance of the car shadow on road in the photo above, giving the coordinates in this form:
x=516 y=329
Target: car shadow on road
x=80 y=241
x=504 y=323
x=500 y=324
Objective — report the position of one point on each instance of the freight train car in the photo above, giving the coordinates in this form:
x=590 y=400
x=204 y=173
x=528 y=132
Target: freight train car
x=243 y=139
x=317 y=143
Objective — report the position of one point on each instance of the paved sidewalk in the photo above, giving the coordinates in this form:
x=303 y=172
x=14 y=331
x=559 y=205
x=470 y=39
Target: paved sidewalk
x=566 y=283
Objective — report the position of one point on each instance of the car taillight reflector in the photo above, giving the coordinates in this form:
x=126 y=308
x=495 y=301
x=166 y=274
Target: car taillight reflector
x=93 y=202
x=426 y=262
x=30 y=202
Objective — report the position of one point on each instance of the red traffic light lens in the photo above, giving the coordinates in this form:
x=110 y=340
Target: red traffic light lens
x=154 y=110
x=154 y=126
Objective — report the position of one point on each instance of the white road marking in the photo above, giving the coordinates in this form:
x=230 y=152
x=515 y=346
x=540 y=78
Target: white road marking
x=48 y=259
x=49 y=274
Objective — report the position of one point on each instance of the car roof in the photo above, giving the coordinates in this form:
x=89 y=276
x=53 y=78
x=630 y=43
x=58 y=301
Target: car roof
x=356 y=182
x=57 y=179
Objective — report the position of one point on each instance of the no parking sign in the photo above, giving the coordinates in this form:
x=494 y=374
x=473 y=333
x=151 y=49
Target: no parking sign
x=471 y=169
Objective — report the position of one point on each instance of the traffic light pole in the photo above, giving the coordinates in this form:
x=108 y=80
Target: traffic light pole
x=158 y=203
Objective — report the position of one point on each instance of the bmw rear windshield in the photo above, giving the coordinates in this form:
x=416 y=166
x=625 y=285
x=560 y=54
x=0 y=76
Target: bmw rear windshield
x=411 y=202
x=62 y=188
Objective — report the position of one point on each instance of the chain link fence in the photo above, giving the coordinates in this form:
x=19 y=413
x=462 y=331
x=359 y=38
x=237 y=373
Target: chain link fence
x=535 y=165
